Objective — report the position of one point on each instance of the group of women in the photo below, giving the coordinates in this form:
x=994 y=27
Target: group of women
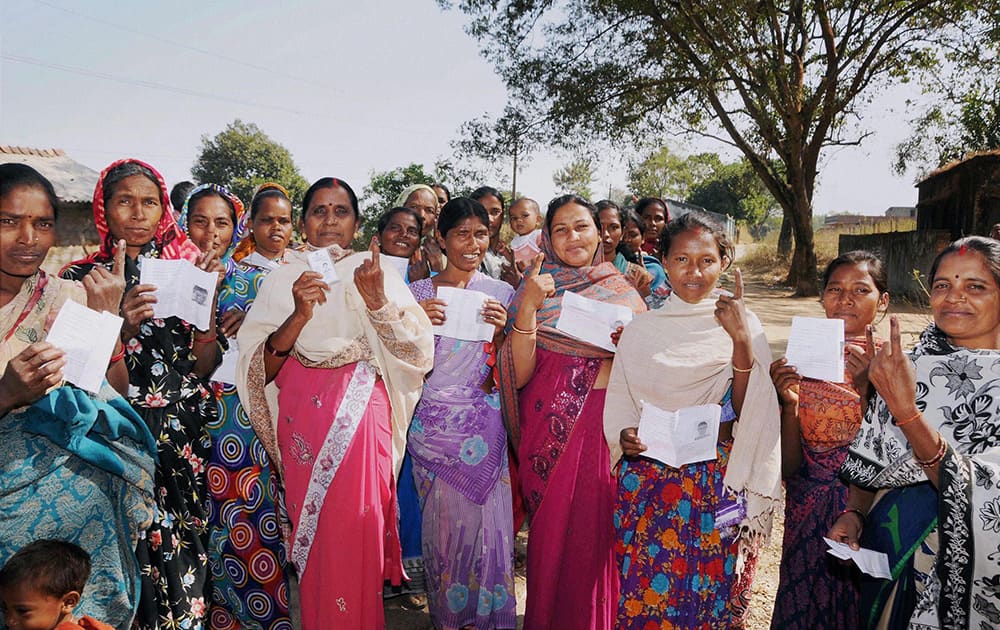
x=357 y=448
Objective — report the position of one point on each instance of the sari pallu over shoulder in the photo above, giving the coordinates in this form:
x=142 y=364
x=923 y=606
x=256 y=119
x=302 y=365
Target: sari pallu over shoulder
x=958 y=392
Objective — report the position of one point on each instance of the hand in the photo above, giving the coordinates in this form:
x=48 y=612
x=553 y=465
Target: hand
x=418 y=269
x=308 y=290
x=494 y=313
x=105 y=288
x=231 y=321
x=786 y=381
x=892 y=374
x=616 y=335
x=30 y=374
x=434 y=307
x=434 y=255
x=629 y=440
x=538 y=286
x=731 y=314
x=371 y=283
x=846 y=529
x=510 y=274
x=859 y=360
x=208 y=261
x=137 y=307
x=641 y=279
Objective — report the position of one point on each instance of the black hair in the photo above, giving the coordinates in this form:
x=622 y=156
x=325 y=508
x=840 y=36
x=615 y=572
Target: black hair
x=988 y=248
x=563 y=200
x=209 y=192
x=458 y=210
x=266 y=193
x=331 y=182
x=629 y=215
x=697 y=221
x=447 y=193
x=645 y=202
x=604 y=204
x=54 y=567
x=14 y=175
x=383 y=221
x=180 y=192
x=128 y=169
x=874 y=264
x=486 y=191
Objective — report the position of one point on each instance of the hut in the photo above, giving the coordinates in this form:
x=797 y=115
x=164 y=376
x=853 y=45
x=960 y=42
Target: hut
x=962 y=197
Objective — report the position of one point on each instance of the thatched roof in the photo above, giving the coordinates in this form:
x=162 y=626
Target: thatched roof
x=73 y=181
x=955 y=163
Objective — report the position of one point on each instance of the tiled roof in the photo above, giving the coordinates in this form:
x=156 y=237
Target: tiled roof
x=73 y=181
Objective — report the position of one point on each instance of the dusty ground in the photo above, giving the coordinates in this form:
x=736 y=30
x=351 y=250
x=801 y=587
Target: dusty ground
x=775 y=308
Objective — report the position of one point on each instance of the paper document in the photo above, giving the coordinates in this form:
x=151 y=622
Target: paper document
x=816 y=348
x=590 y=320
x=88 y=338
x=226 y=372
x=321 y=263
x=463 y=315
x=182 y=290
x=874 y=563
x=680 y=437
x=401 y=264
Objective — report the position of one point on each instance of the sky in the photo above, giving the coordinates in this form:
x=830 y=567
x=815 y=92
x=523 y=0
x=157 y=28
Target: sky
x=348 y=87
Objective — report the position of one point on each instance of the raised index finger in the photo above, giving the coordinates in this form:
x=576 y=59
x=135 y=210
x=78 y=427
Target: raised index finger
x=738 y=290
x=118 y=268
x=375 y=258
x=869 y=341
x=897 y=345
x=536 y=265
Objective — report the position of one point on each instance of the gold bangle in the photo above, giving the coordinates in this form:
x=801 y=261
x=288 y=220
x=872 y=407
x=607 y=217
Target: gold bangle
x=942 y=450
x=524 y=332
x=746 y=371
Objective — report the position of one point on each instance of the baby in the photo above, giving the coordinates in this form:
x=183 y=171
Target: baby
x=41 y=585
x=525 y=216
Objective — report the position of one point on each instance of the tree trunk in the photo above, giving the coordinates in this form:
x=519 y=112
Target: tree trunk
x=802 y=273
x=785 y=236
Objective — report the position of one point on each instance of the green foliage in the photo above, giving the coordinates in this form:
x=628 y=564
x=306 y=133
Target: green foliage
x=576 y=177
x=779 y=81
x=242 y=157
x=735 y=190
x=664 y=173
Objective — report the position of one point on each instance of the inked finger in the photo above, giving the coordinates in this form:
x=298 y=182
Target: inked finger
x=897 y=345
x=738 y=291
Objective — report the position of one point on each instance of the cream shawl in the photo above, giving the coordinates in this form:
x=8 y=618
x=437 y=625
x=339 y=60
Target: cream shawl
x=679 y=356
x=397 y=339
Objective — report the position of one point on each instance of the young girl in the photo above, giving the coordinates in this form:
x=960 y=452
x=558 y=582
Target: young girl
x=687 y=536
x=819 y=419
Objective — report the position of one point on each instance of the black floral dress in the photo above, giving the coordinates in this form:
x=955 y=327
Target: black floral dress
x=176 y=405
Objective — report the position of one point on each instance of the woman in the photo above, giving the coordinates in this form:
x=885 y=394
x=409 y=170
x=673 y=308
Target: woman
x=555 y=423
x=611 y=217
x=168 y=362
x=246 y=555
x=819 y=419
x=399 y=233
x=422 y=199
x=459 y=446
x=75 y=466
x=499 y=261
x=687 y=536
x=924 y=466
x=630 y=249
x=655 y=214
x=340 y=363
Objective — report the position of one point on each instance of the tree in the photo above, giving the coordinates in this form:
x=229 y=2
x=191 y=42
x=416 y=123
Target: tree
x=735 y=190
x=779 y=81
x=381 y=192
x=576 y=177
x=513 y=134
x=242 y=157
x=664 y=173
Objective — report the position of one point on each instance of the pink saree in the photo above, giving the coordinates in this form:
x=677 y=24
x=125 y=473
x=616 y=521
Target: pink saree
x=335 y=441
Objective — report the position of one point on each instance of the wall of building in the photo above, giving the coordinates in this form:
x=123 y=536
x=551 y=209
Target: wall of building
x=903 y=253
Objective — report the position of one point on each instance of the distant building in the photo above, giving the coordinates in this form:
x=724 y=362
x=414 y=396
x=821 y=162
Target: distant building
x=832 y=220
x=962 y=197
x=680 y=208
x=901 y=212
x=74 y=184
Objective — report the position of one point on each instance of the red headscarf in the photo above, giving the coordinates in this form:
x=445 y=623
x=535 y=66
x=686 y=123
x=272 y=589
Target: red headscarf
x=171 y=242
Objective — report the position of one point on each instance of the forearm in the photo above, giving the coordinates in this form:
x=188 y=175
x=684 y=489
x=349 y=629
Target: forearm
x=523 y=346
x=742 y=360
x=281 y=342
x=859 y=499
x=117 y=376
x=791 y=439
x=924 y=442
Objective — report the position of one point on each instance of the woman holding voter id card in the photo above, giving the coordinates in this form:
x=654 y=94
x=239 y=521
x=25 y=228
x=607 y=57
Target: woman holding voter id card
x=689 y=530
x=332 y=361
x=553 y=386
x=924 y=468
x=169 y=361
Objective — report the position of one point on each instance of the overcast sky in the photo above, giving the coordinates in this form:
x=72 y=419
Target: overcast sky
x=347 y=87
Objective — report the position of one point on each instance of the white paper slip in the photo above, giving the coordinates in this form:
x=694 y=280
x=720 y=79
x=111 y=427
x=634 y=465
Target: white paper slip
x=680 y=437
x=590 y=320
x=463 y=315
x=401 y=264
x=816 y=348
x=321 y=263
x=88 y=338
x=226 y=372
x=182 y=290
x=874 y=563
